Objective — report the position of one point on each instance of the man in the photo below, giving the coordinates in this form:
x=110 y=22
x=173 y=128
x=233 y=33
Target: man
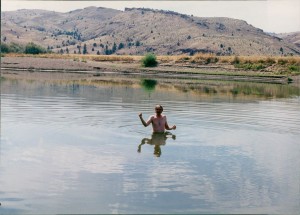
x=159 y=121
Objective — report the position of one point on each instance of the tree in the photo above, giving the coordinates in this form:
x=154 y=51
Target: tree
x=137 y=43
x=84 y=51
x=79 y=49
x=4 y=48
x=98 y=52
x=32 y=48
x=121 y=45
x=95 y=44
x=67 y=50
x=281 y=50
x=16 y=48
x=93 y=49
x=114 y=49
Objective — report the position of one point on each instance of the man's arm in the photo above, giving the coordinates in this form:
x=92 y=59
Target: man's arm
x=143 y=121
x=167 y=126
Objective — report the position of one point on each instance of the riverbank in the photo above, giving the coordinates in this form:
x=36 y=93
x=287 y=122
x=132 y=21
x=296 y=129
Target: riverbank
x=204 y=67
x=204 y=80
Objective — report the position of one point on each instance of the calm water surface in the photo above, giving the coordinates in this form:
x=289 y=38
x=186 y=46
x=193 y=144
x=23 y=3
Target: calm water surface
x=74 y=149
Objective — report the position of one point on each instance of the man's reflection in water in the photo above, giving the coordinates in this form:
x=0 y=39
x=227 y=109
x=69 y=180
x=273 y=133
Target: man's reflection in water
x=157 y=139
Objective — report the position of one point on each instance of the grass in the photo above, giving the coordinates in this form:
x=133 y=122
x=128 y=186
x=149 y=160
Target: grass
x=198 y=58
x=294 y=68
x=124 y=58
x=273 y=65
x=251 y=66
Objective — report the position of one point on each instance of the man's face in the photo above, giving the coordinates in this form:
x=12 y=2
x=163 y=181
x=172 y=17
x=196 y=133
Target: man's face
x=158 y=110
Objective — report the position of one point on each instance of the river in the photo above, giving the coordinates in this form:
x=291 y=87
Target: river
x=72 y=148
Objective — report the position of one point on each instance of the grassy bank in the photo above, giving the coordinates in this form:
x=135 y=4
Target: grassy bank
x=266 y=69
x=270 y=63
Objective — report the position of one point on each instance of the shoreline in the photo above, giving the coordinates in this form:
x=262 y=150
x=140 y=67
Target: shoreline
x=18 y=67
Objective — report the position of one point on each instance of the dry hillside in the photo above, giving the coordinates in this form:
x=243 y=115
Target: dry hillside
x=293 y=37
x=138 y=31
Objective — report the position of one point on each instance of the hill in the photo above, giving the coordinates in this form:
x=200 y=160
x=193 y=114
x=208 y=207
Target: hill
x=137 y=31
x=293 y=37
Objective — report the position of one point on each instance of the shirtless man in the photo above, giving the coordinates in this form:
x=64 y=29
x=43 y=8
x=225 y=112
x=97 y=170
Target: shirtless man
x=159 y=121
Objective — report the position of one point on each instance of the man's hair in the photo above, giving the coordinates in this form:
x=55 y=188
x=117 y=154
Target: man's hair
x=160 y=107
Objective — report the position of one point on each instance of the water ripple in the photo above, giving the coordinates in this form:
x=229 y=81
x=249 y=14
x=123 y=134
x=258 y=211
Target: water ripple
x=271 y=115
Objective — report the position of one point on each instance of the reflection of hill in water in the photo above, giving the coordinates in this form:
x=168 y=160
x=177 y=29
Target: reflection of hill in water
x=241 y=89
x=194 y=91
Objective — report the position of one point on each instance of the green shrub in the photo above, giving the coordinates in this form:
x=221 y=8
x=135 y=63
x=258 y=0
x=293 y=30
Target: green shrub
x=282 y=61
x=236 y=60
x=211 y=60
x=149 y=60
x=12 y=48
x=16 y=48
x=258 y=66
x=4 y=48
x=294 y=68
x=32 y=48
x=250 y=66
x=270 y=61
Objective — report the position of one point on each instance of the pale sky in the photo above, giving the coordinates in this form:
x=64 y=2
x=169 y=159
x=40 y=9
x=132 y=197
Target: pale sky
x=279 y=16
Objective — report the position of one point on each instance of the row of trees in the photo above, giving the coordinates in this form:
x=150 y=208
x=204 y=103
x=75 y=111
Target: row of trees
x=29 y=48
x=106 y=48
x=32 y=48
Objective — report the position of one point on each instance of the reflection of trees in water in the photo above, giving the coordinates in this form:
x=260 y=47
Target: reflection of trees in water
x=158 y=140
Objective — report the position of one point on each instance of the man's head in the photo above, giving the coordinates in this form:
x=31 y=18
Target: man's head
x=158 y=109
